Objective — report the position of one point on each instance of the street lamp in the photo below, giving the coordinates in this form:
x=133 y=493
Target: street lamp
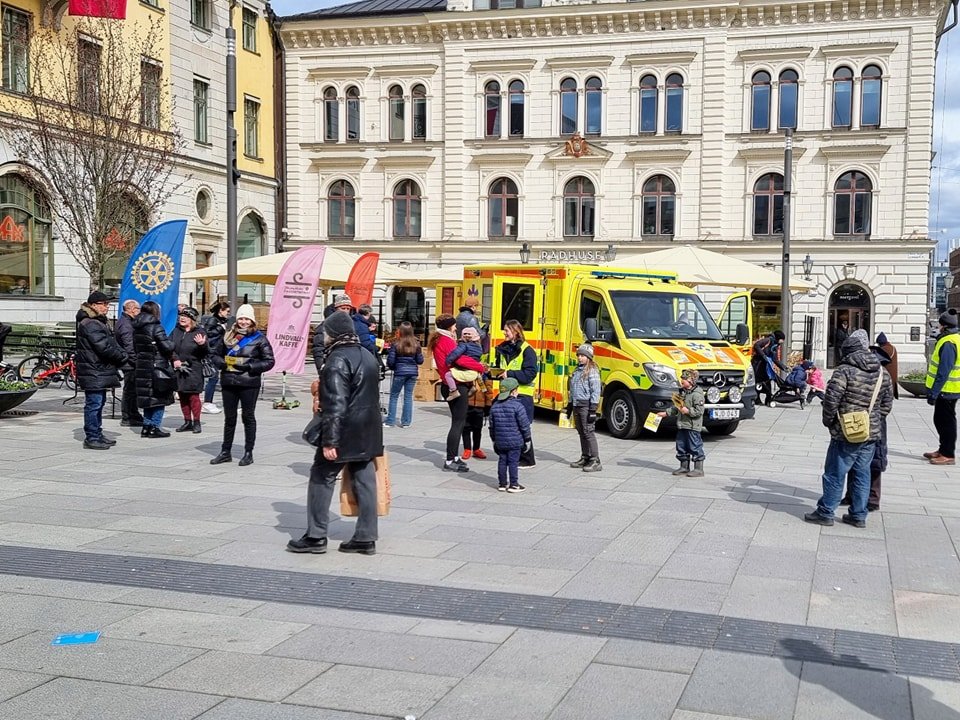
x=807 y=267
x=525 y=253
x=611 y=253
x=948 y=280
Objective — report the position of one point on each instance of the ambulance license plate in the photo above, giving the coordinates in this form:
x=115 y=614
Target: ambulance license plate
x=731 y=414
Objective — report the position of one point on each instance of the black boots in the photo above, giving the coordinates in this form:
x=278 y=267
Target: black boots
x=196 y=427
x=307 y=544
x=247 y=458
x=697 y=469
x=368 y=547
x=186 y=427
x=684 y=467
x=223 y=457
x=584 y=459
x=151 y=431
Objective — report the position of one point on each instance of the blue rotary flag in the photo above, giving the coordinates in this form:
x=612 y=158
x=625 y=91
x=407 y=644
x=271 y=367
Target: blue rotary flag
x=153 y=272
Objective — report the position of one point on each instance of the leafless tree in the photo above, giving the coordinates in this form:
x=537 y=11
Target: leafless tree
x=99 y=126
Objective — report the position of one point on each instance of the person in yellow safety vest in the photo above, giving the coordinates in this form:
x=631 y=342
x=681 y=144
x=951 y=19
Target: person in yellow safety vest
x=943 y=389
x=516 y=358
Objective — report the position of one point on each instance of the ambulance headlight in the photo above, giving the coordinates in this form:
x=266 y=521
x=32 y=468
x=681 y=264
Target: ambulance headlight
x=735 y=394
x=713 y=394
x=662 y=375
x=751 y=378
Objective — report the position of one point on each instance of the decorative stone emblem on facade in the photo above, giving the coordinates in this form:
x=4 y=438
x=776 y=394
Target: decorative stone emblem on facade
x=576 y=146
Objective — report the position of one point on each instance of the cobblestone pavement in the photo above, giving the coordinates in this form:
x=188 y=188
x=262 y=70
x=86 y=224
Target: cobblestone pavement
x=628 y=593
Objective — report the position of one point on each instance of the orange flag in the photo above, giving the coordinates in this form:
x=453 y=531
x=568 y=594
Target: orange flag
x=360 y=283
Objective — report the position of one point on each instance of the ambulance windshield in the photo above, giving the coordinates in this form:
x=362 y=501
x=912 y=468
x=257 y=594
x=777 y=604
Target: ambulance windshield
x=664 y=315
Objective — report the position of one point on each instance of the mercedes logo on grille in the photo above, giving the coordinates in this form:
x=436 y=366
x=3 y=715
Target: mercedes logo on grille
x=719 y=380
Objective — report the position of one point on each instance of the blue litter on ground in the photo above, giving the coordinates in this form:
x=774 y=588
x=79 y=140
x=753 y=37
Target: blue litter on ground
x=76 y=638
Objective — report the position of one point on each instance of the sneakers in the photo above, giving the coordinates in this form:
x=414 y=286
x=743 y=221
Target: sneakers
x=516 y=489
x=358 y=546
x=210 y=408
x=850 y=520
x=455 y=466
x=818 y=519
x=317 y=546
x=593 y=466
x=453 y=396
x=502 y=488
x=942 y=460
x=479 y=454
x=466 y=454
x=584 y=459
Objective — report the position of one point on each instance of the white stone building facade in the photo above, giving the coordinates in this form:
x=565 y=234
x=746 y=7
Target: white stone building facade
x=419 y=135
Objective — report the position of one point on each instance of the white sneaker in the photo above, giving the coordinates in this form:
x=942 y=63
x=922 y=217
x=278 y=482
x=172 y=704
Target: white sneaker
x=210 y=408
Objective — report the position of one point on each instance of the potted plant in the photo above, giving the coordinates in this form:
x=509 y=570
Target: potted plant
x=914 y=383
x=12 y=393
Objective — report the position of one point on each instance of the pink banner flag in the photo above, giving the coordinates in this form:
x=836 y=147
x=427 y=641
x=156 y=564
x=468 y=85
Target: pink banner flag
x=291 y=307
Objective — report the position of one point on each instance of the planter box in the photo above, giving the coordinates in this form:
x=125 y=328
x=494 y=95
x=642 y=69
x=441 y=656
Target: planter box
x=914 y=387
x=9 y=399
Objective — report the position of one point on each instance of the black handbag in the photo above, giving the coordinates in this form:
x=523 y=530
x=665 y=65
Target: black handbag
x=314 y=430
x=164 y=377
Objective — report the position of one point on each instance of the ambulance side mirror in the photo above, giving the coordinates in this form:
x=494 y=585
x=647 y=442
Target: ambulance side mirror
x=743 y=334
x=590 y=329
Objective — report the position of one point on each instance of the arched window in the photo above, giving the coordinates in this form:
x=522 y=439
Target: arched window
x=26 y=257
x=131 y=223
x=516 y=108
x=503 y=206
x=659 y=206
x=579 y=205
x=674 y=120
x=842 y=97
x=768 y=205
x=406 y=209
x=594 y=105
x=398 y=112
x=492 y=104
x=251 y=242
x=760 y=101
x=852 y=199
x=648 y=104
x=871 y=87
x=789 y=99
x=419 y=93
x=353 y=114
x=568 y=106
x=341 y=210
x=331 y=115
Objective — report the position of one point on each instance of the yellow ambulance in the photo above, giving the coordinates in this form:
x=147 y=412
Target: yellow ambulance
x=645 y=328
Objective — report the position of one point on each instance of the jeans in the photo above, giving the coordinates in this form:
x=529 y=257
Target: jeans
x=323 y=479
x=246 y=398
x=458 y=418
x=209 y=388
x=406 y=384
x=842 y=457
x=93 y=403
x=945 y=421
x=509 y=461
x=153 y=416
x=129 y=412
x=587 y=432
x=690 y=445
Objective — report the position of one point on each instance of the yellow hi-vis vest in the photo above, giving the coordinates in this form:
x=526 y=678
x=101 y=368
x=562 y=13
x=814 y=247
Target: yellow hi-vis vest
x=515 y=364
x=952 y=385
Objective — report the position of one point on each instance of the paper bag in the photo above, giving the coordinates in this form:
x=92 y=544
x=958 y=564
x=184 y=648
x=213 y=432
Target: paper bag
x=348 y=501
x=565 y=422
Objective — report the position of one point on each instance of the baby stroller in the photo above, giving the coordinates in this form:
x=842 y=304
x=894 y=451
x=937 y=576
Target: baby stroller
x=790 y=388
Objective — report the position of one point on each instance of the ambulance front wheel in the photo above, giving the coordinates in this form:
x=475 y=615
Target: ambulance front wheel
x=621 y=414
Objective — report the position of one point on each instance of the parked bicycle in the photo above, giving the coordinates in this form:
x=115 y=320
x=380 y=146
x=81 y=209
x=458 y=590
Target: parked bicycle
x=50 y=365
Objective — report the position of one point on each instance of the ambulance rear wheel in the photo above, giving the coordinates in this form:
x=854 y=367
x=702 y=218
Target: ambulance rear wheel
x=725 y=428
x=622 y=416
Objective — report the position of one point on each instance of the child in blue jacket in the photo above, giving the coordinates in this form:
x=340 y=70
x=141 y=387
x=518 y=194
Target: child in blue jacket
x=510 y=432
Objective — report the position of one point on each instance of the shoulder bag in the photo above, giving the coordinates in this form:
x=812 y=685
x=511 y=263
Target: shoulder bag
x=314 y=430
x=855 y=426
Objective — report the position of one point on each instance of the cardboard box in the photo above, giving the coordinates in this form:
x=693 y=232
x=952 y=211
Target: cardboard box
x=425 y=391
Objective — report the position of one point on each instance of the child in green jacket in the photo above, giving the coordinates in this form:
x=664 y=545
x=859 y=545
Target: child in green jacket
x=688 y=408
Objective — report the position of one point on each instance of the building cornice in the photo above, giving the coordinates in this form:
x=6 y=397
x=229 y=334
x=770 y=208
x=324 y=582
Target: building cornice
x=338 y=71
x=578 y=61
x=502 y=65
x=665 y=58
x=858 y=50
x=774 y=53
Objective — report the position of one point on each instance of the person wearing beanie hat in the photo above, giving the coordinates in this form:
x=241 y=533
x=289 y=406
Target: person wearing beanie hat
x=510 y=433
x=245 y=355
x=361 y=328
x=343 y=302
x=191 y=348
x=98 y=359
x=858 y=385
x=338 y=325
x=583 y=392
x=688 y=407
x=892 y=367
x=943 y=389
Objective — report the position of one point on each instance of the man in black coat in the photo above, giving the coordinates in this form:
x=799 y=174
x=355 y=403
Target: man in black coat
x=352 y=435
x=98 y=359
x=130 y=415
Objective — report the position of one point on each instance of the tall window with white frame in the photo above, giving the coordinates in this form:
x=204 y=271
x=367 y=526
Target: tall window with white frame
x=648 y=104
x=503 y=204
x=88 y=74
x=341 y=210
x=491 y=109
x=768 y=205
x=397 y=111
x=201 y=98
x=15 y=43
x=201 y=14
x=593 y=100
x=353 y=114
x=517 y=101
x=406 y=210
x=674 y=110
x=151 y=74
x=852 y=200
x=331 y=115
x=579 y=208
x=871 y=89
x=249 y=29
x=659 y=202
x=760 y=101
x=251 y=128
x=418 y=94
x=789 y=99
x=568 y=106
x=842 y=97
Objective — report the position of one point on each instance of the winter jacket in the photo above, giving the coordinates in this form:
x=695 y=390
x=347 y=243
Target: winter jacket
x=467 y=318
x=123 y=332
x=464 y=349
x=815 y=379
x=948 y=360
x=152 y=347
x=444 y=346
x=892 y=367
x=527 y=374
x=350 y=395
x=694 y=400
x=190 y=375
x=98 y=354
x=509 y=425
x=215 y=327
x=585 y=388
x=404 y=365
x=363 y=333
x=851 y=388
x=247 y=363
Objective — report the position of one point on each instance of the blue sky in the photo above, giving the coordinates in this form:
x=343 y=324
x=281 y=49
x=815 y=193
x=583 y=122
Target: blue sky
x=945 y=180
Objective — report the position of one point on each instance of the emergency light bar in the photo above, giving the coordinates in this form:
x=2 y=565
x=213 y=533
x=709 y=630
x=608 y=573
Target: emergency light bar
x=620 y=274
